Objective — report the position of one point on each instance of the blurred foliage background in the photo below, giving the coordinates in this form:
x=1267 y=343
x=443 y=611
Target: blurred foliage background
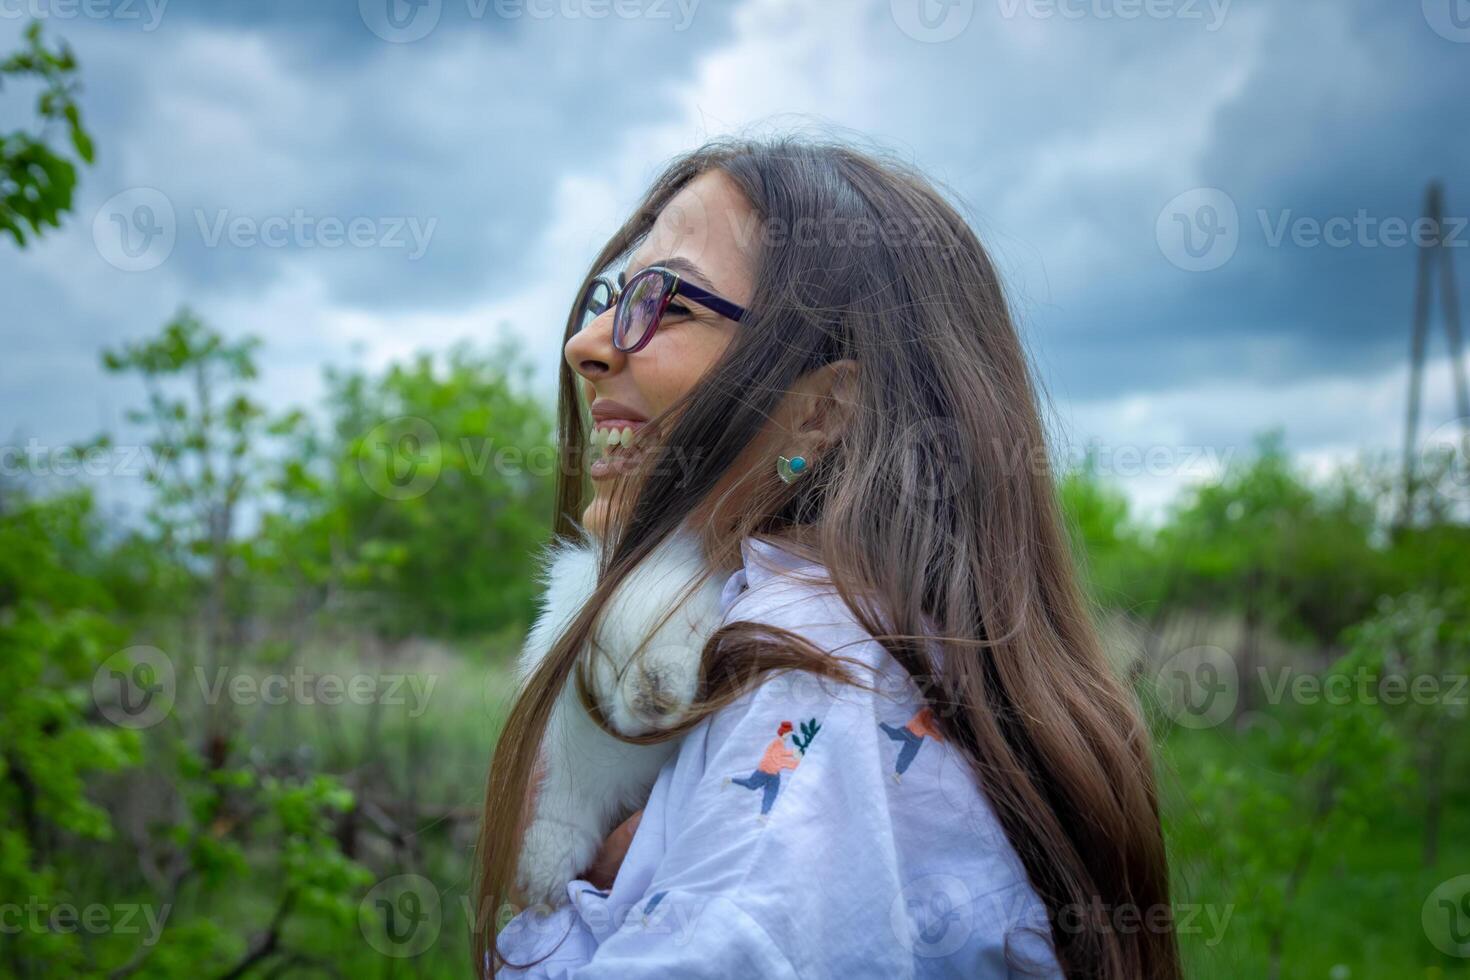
x=246 y=735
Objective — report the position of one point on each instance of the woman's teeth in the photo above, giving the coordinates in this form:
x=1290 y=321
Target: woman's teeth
x=612 y=438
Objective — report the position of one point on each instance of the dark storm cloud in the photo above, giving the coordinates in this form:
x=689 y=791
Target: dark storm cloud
x=1070 y=137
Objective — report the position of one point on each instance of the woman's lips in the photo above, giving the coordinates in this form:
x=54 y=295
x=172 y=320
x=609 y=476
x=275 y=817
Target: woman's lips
x=606 y=468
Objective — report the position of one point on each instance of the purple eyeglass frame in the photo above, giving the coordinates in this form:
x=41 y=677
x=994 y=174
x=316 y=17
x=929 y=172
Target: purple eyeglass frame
x=674 y=285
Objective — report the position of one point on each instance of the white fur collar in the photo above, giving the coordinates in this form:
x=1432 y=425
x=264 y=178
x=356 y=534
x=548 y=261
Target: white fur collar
x=592 y=779
x=644 y=668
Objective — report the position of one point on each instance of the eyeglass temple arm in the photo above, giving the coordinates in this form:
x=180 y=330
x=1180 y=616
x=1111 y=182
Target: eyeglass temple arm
x=704 y=297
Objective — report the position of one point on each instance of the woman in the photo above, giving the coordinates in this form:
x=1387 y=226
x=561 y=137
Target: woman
x=841 y=408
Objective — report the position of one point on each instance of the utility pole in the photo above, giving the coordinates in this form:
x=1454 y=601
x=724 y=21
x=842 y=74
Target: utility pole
x=1429 y=252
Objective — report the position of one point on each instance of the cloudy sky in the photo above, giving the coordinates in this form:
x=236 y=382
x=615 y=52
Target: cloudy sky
x=1203 y=207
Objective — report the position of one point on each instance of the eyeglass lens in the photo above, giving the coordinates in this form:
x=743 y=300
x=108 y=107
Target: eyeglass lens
x=594 y=303
x=638 y=308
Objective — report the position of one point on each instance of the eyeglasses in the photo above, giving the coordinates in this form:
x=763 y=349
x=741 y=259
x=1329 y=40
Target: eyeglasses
x=641 y=304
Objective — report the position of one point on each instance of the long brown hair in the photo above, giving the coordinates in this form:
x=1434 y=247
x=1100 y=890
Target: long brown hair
x=935 y=514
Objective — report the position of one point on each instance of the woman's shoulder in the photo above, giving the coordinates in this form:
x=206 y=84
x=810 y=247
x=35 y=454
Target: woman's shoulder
x=778 y=585
x=887 y=732
x=803 y=772
x=783 y=588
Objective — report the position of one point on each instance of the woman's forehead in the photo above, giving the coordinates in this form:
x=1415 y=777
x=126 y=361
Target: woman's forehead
x=705 y=225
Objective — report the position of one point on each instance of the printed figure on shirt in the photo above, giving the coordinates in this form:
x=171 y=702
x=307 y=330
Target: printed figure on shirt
x=778 y=756
x=910 y=736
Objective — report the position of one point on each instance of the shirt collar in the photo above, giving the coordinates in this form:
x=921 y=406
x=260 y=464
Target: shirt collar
x=761 y=561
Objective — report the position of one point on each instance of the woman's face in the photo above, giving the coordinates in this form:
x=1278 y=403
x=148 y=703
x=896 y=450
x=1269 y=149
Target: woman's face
x=697 y=232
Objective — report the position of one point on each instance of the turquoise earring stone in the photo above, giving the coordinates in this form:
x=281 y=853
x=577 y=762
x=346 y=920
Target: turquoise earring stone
x=789 y=469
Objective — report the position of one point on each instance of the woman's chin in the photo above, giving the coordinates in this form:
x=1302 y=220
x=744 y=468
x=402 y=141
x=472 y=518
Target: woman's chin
x=594 y=518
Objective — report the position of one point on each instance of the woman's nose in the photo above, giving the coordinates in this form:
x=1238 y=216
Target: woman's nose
x=590 y=351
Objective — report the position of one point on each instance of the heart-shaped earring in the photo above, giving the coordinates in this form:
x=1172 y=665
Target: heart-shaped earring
x=789 y=469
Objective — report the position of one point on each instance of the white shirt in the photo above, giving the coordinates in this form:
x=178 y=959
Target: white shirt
x=876 y=856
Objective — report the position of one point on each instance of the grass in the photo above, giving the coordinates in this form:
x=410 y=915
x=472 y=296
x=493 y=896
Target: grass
x=421 y=760
x=421 y=764
x=1358 y=913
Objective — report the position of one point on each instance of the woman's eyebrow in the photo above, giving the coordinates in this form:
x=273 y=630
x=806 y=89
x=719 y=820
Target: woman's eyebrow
x=678 y=264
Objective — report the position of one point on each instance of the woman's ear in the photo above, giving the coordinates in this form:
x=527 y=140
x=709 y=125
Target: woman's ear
x=826 y=401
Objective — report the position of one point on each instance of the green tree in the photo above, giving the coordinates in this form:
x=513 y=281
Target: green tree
x=55 y=631
x=1265 y=543
x=418 y=505
x=36 y=181
x=207 y=434
x=88 y=703
x=1332 y=765
x=1418 y=644
x=1108 y=543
